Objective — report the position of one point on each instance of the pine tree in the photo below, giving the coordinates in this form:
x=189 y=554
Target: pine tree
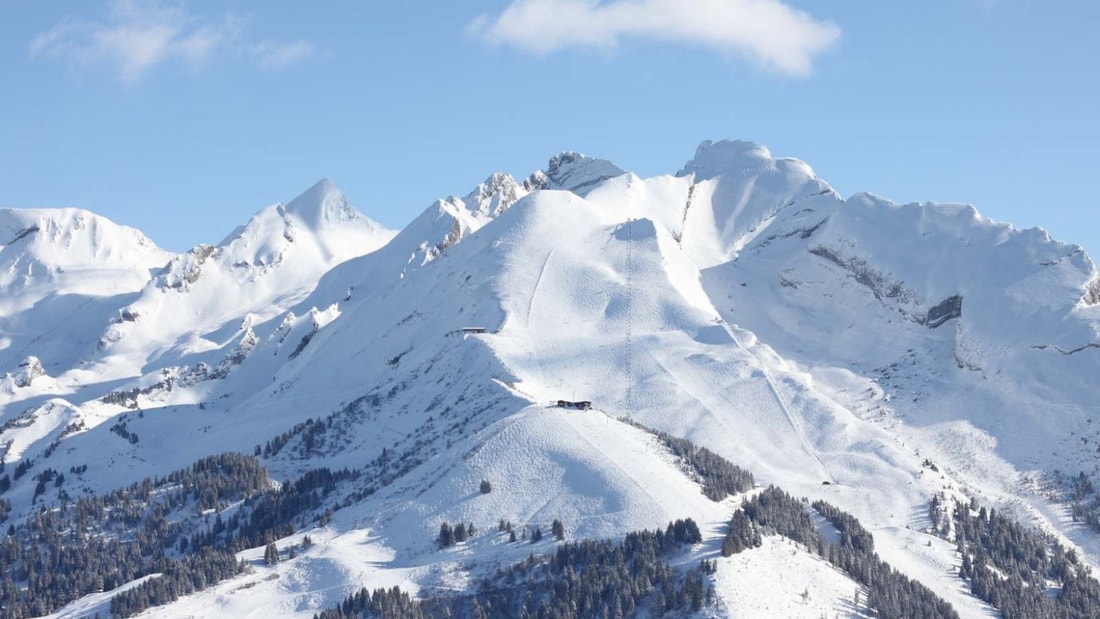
x=271 y=554
x=446 y=535
x=558 y=529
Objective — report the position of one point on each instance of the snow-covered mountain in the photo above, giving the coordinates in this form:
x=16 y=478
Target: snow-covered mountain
x=61 y=269
x=873 y=355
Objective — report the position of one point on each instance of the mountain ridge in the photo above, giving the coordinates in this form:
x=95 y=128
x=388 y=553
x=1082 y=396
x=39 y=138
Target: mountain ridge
x=871 y=354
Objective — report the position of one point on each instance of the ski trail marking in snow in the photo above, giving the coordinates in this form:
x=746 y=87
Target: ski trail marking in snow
x=629 y=472
x=782 y=402
x=687 y=387
x=535 y=290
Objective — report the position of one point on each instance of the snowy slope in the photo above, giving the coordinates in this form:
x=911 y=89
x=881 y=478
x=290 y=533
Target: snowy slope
x=98 y=303
x=740 y=303
x=976 y=341
x=61 y=269
x=63 y=251
x=259 y=270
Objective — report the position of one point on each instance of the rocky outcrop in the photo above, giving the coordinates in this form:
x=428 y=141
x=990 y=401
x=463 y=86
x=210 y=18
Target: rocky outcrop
x=880 y=284
x=30 y=369
x=1092 y=291
x=184 y=270
x=947 y=309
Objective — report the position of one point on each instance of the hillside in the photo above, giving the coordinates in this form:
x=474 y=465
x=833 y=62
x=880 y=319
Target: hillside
x=875 y=356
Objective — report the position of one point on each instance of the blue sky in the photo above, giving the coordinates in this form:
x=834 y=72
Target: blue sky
x=184 y=118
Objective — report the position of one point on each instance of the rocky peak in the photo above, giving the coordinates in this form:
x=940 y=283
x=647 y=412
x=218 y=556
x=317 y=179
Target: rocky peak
x=30 y=369
x=575 y=172
x=495 y=195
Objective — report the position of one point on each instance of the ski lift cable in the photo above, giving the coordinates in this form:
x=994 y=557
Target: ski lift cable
x=629 y=318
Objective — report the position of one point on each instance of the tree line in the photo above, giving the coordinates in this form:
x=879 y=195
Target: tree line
x=891 y=594
x=161 y=525
x=1022 y=573
x=589 y=578
x=719 y=477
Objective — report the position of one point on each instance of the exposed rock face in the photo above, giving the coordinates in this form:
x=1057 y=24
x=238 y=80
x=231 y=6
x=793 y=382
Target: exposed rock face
x=29 y=370
x=128 y=314
x=880 y=284
x=575 y=172
x=495 y=195
x=1092 y=292
x=947 y=309
x=185 y=269
x=24 y=233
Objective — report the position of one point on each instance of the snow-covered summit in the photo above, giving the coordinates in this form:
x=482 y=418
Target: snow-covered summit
x=321 y=217
x=75 y=233
x=48 y=253
x=162 y=304
x=51 y=240
x=738 y=157
x=324 y=203
x=263 y=267
x=575 y=172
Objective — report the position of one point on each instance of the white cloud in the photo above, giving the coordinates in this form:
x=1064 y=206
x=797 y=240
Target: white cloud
x=273 y=55
x=768 y=32
x=134 y=36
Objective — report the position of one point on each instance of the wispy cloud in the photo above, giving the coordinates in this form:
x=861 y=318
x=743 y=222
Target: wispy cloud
x=275 y=55
x=134 y=36
x=770 y=33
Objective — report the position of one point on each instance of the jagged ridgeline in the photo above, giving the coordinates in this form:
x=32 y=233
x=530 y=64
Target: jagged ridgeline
x=186 y=526
x=694 y=302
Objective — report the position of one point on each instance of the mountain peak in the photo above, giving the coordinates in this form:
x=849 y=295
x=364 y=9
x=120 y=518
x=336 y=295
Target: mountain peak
x=323 y=205
x=576 y=172
x=323 y=202
x=312 y=232
x=494 y=196
x=71 y=237
x=740 y=157
x=725 y=156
